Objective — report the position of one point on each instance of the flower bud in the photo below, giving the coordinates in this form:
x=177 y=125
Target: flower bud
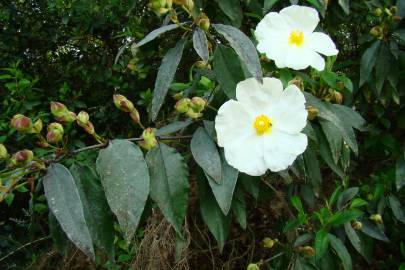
x=3 y=152
x=198 y=104
x=148 y=139
x=252 y=266
x=393 y=10
x=22 y=157
x=340 y=85
x=388 y=11
x=160 y=7
x=193 y=114
x=135 y=116
x=203 y=22
x=357 y=225
x=67 y=118
x=55 y=133
x=377 y=12
x=268 y=242
x=337 y=97
x=89 y=128
x=21 y=123
x=297 y=81
x=312 y=112
x=178 y=96
x=202 y=65
x=189 y=4
x=82 y=119
x=37 y=127
x=377 y=32
x=376 y=218
x=183 y=105
x=307 y=251
x=123 y=104
x=58 y=109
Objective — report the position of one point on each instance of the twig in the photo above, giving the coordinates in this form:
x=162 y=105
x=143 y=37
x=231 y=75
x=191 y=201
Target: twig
x=24 y=246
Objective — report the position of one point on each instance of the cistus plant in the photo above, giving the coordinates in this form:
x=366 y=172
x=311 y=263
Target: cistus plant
x=296 y=106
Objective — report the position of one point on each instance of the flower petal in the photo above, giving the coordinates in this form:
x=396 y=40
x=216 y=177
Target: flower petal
x=232 y=122
x=246 y=155
x=322 y=43
x=282 y=149
x=301 y=18
x=255 y=97
x=290 y=115
x=317 y=61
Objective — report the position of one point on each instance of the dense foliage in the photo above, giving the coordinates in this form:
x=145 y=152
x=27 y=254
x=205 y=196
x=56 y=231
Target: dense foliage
x=147 y=177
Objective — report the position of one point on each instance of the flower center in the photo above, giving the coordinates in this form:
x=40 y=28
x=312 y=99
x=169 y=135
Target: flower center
x=262 y=124
x=296 y=38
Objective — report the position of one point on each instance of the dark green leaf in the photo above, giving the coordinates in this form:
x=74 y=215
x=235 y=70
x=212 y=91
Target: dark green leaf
x=169 y=185
x=400 y=172
x=345 y=4
x=125 y=178
x=239 y=206
x=157 y=32
x=173 y=127
x=268 y=4
x=346 y=196
x=251 y=184
x=312 y=169
x=342 y=217
x=334 y=137
x=302 y=240
x=321 y=244
x=396 y=208
x=382 y=68
x=368 y=61
x=98 y=216
x=232 y=9
x=243 y=47
x=165 y=76
x=200 y=44
x=373 y=231
x=359 y=242
x=64 y=201
x=341 y=251
x=358 y=203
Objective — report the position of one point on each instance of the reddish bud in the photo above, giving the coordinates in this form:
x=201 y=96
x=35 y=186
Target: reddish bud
x=21 y=123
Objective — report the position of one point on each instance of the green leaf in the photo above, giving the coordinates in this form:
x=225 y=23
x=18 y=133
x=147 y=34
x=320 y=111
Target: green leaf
x=400 y=172
x=217 y=222
x=239 y=206
x=224 y=192
x=359 y=242
x=341 y=251
x=334 y=137
x=157 y=32
x=368 y=61
x=321 y=244
x=382 y=68
x=296 y=202
x=358 y=203
x=125 y=178
x=173 y=127
x=251 y=184
x=205 y=153
x=232 y=9
x=165 y=76
x=169 y=185
x=268 y=4
x=342 y=217
x=345 y=4
x=98 y=216
x=200 y=44
x=64 y=201
x=373 y=231
x=396 y=208
x=312 y=169
x=346 y=196
x=228 y=70
x=243 y=47
x=302 y=240
x=59 y=237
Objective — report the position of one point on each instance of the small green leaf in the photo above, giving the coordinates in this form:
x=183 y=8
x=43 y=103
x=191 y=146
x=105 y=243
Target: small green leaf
x=302 y=240
x=334 y=137
x=321 y=244
x=169 y=185
x=342 y=217
x=296 y=202
x=358 y=203
x=341 y=251
x=396 y=208
x=165 y=76
x=200 y=44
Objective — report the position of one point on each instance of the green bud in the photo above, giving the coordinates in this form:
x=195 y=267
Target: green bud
x=58 y=109
x=123 y=104
x=3 y=152
x=312 y=112
x=183 y=105
x=160 y=7
x=198 y=104
x=89 y=128
x=148 y=139
x=377 y=12
x=203 y=22
x=376 y=218
x=67 y=118
x=252 y=266
x=307 y=251
x=21 y=157
x=55 y=133
x=37 y=127
x=357 y=225
x=377 y=32
x=268 y=242
x=21 y=123
x=135 y=116
x=388 y=12
x=202 y=65
x=192 y=114
x=82 y=119
x=393 y=10
x=178 y=96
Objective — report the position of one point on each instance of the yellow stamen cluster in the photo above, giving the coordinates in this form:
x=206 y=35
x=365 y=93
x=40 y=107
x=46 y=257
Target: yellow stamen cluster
x=262 y=124
x=296 y=38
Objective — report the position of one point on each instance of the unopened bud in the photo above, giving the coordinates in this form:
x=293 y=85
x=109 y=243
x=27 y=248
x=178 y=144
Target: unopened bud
x=189 y=4
x=202 y=65
x=312 y=112
x=377 y=32
x=338 y=97
x=58 y=109
x=268 y=242
x=69 y=117
x=160 y=7
x=82 y=118
x=297 y=81
x=183 y=105
x=178 y=96
x=55 y=133
x=22 y=157
x=376 y=218
x=357 y=225
x=198 y=104
x=377 y=12
x=37 y=127
x=123 y=104
x=203 y=22
x=135 y=116
x=307 y=251
x=252 y=266
x=393 y=10
x=21 y=123
x=89 y=128
x=148 y=139
x=193 y=114
x=3 y=152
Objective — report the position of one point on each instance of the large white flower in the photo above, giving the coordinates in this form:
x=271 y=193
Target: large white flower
x=289 y=39
x=262 y=129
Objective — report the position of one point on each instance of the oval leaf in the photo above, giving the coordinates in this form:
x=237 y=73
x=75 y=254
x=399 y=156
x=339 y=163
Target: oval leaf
x=206 y=154
x=341 y=251
x=200 y=44
x=359 y=241
x=64 y=201
x=165 y=76
x=157 y=32
x=243 y=47
x=169 y=185
x=125 y=178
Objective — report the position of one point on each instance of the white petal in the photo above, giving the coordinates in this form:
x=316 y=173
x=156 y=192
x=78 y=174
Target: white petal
x=282 y=149
x=255 y=97
x=290 y=115
x=297 y=58
x=232 y=122
x=301 y=18
x=246 y=154
x=322 y=43
x=270 y=25
x=317 y=61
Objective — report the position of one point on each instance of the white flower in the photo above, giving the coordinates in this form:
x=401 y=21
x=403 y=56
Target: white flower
x=262 y=129
x=289 y=39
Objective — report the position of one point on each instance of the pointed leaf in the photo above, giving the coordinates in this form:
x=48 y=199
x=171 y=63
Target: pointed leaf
x=359 y=242
x=169 y=185
x=341 y=251
x=373 y=231
x=334 y=137
x=368 y=61
x=173 y=127
x=64 y=201
x=321 y=244
x=232 y=9
x=125 y=178
x=239 y=206
x=200 y=44
x=346 y=196
x=165 y=76
x=157 y=32
x=312 y=169
x=396 y=208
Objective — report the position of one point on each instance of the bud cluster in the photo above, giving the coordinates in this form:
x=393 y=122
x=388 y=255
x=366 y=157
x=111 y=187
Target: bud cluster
x=21 y=158
x=191 y=107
